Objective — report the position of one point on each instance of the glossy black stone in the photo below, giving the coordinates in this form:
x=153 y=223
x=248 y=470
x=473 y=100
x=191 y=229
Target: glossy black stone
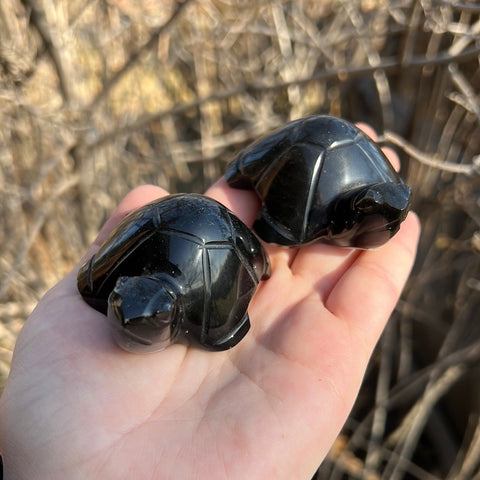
x=181 y=269
x=321 y=178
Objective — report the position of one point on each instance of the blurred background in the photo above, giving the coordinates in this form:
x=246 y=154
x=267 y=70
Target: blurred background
x=99 y=96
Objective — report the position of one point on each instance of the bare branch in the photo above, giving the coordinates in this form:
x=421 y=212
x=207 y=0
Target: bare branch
x=152 y=41
x=37 y=20
x=389 y=65
x=466 y=7
x=465 y=88
x=425 y=159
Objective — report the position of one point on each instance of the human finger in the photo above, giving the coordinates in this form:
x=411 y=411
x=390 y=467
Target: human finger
x=133 y=200
x=366 y=293
x=321 y=265
x=244 y=203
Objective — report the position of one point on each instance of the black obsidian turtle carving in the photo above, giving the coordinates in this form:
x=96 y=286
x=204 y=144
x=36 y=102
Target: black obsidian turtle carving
x=322 y=178
x=181 y=269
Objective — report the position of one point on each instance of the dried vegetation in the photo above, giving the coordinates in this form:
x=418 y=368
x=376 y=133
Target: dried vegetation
x=98 y=96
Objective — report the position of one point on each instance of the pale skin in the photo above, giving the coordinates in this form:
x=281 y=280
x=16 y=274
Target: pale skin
x=76 y=406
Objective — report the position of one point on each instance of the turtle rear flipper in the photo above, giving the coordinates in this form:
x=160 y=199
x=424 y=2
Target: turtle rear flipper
x=270 y=232
x=233 y=337
x=236 y=179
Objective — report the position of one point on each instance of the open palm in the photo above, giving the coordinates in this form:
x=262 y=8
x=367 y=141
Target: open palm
x=78 y=407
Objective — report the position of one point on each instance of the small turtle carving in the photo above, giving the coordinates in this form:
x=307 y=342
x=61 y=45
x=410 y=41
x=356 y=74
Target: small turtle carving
x=321 y=178
x=181 y=269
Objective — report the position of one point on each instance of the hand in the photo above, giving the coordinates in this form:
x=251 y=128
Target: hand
x=76 y=406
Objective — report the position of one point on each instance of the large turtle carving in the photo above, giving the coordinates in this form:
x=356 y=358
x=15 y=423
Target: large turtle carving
x=181 y=269
x=321 y=178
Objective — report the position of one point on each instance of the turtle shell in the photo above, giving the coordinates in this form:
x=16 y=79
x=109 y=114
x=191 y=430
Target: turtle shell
x=180 y=269
x=321 y=178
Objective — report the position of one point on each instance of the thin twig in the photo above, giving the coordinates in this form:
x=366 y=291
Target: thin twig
x=471 y=459
x=461 y=43
x=411 y=387
x=466 y=7
x=379 y=420
x=373 y=58
x=414 y=422
x=389 y=65
x=425 y=159
x=64 y=186
x=134 y=57
x=37 y=20
x=465 y=88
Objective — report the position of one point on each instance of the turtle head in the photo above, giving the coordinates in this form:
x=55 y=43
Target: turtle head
x=143 y=312
x=369 y=216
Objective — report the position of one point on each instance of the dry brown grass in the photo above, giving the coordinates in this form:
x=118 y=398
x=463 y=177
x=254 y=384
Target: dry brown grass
x=98 y=96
